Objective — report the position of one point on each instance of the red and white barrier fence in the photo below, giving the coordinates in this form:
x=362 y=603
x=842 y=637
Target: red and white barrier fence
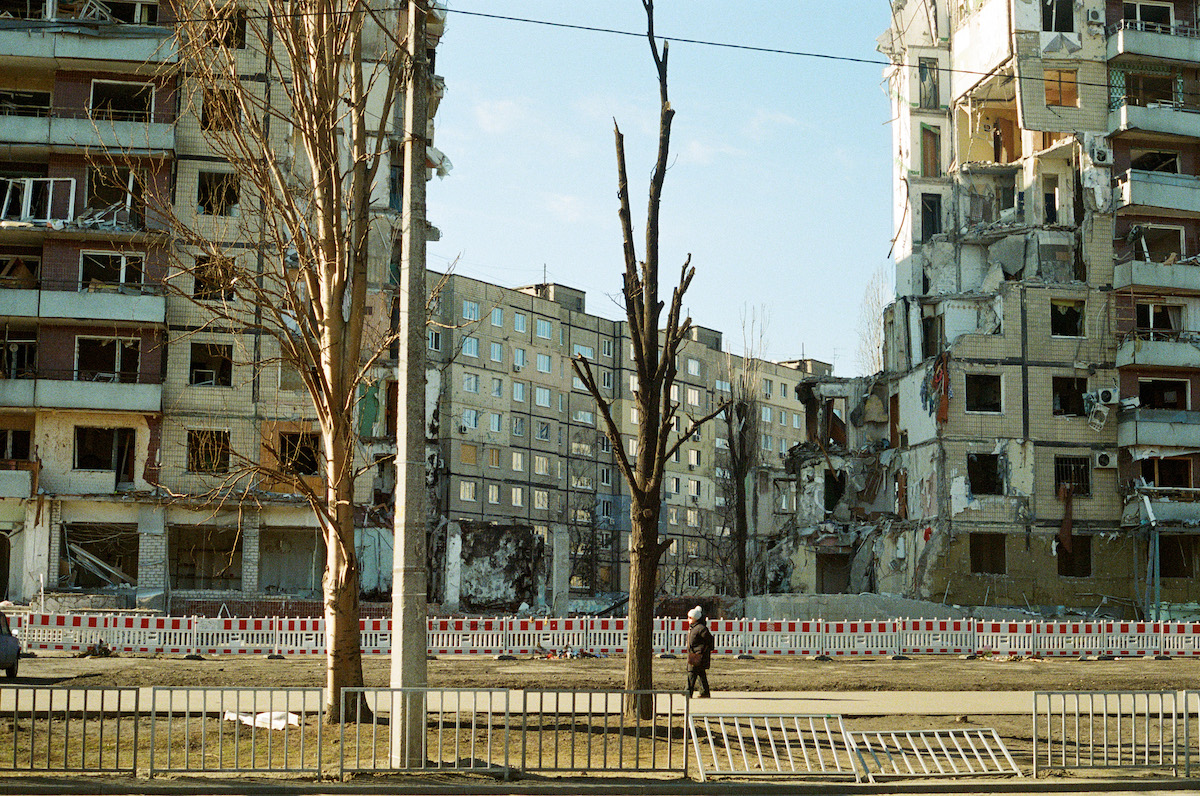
x=181 y=635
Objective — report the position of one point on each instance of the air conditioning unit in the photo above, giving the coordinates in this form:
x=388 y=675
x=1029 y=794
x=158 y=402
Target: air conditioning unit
x=1105 y=460
x=691 y=467
x=516 y=368
x=1108 y=395
x=1101 y=155
x=1095 y=16
x=462 y=429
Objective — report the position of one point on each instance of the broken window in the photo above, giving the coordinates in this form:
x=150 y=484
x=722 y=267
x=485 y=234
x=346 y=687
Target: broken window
x=211 y=278
x=107 y=359
x=1075 y=472
x=984 y=475
x=1153 y=160
x=931 y=215
x=106 y=449
x=217 y=193
x=119 y=193
x=1066 y=318
x=211 y=365
x=131 y=13
x=227 y=28
x=1177 y=556
x=14 y=444
x=1050 y=197
x=122 y=102
x=20 y=271
x=1172 y=473
x=18 y=354
x=927 y=74
x=1164 y=320
x=1155 y=243
x=291 y=560
x=1163 y=393
x=300 y=453
x=931 y=336
x=983 y=393
x=1078 y=562
x=833 y=573
x=208 y=450
x=931 y=151
x=1058 y=16
x=987 y=553
x=24 y=103
x=204 y=557
x=1062 y=87
x=98 y=269
x=1148 y=89
x=100 y=554
x=1152 y=16
x=219 y=110
x=22 y=9
x=1067 y=394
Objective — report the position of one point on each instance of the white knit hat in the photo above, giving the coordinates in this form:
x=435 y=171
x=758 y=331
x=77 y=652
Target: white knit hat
x=696 y=613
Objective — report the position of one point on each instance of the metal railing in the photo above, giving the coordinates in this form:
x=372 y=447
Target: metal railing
x=593 y=731
x=243 y=730
x=465 y=731
x=1178 y=29
x=936 y=753
x=1105 y=729
x=69 y=730
x=757 y=744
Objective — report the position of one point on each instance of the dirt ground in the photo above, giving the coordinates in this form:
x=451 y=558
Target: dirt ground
x=930 y=673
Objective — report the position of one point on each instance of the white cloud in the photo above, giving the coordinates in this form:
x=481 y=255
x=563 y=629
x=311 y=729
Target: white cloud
x=766 y=122
x=702 y=153
x=567 y=208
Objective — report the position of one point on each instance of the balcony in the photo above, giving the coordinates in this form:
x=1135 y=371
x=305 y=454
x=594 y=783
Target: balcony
x=1170 y=506
x=1161 y=349
x=49 y=389
x=39 y=203
x=1177 y=193
x=1131 y=40
x=1164 y=117
x=1167 y=428
x=138 y=304
x=106 y=43
x=1177 y=278
x=57 y=132
x=18 y=478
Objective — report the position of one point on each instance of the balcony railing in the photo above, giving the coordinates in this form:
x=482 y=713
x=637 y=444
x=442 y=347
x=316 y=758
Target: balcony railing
x=91 y=374
x=74 y=285
x=1178 y=29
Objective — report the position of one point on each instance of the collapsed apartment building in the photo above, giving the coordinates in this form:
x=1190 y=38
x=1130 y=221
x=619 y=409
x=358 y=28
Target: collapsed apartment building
x=1031 y=441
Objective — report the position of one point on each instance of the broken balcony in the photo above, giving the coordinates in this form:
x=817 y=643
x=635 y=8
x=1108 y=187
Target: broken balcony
x=1151 y=98
x=1159 y=428
x=1173 y=277
x=92 y=300
x=46 y=388
x=99 y=25
x=1160 y=349
x=1131 y=39
x=1143 y=191
x=1167 y=506
x=18 y=478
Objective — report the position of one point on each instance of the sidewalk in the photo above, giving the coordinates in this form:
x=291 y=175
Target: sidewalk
x=871 y=703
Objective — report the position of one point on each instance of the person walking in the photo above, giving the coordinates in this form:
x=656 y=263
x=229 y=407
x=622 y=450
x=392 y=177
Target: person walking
x=699 y=652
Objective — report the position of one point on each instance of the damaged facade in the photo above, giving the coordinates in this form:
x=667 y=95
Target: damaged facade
x=121 y=403
x=1038 y=381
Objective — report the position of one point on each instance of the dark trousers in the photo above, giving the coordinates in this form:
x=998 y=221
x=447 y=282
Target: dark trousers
x=701 y=675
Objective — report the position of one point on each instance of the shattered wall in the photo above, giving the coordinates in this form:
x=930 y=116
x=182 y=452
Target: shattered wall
x=492 y=567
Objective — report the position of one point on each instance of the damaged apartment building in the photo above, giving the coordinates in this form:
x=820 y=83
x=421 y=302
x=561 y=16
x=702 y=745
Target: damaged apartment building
x=1040 y=357
x=124 y=404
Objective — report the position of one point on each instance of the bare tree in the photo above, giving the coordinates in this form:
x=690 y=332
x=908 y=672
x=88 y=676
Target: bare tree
x=655 y=349
x=297 y=103
x=876 y=296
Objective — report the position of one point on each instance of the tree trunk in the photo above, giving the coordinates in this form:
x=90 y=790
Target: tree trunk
x=643 y=571
x=341 y=582
x=741 y=530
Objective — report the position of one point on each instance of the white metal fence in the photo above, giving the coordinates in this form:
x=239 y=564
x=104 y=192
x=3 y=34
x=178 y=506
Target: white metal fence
x=605 y=636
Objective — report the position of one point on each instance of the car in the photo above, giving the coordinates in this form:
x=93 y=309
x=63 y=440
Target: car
x=10 y=648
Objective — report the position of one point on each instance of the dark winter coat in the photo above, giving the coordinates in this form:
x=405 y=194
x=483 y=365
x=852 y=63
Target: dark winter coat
x=700 y=645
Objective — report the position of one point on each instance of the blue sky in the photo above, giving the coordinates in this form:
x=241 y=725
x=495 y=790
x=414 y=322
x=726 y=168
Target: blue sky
x=780 y=179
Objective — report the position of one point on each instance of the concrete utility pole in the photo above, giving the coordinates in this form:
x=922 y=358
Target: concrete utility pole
x=408 y=564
